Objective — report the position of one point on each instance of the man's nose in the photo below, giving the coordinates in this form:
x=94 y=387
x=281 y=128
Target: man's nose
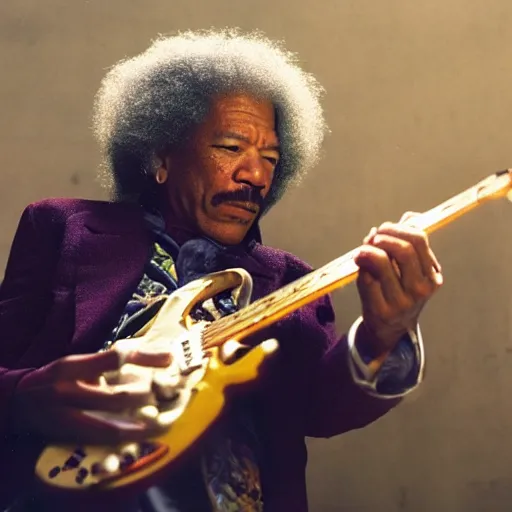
x=252 y=171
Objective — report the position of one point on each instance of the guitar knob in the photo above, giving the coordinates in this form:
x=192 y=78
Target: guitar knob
x=111 y=463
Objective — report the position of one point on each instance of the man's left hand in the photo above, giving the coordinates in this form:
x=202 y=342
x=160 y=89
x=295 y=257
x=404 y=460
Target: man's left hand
x=398 y=274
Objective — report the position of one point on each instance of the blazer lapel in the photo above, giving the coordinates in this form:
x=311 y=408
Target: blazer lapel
x=113 y=248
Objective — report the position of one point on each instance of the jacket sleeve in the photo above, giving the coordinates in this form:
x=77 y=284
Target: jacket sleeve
x=334 y=401
x=25 y=299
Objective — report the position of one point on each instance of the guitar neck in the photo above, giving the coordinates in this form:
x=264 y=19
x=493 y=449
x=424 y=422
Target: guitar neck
x=343 y=270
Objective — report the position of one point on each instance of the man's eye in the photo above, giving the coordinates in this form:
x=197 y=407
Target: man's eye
x=233 y=149
x=272 y=160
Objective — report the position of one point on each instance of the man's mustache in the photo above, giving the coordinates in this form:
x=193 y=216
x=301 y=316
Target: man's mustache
x=242 y=195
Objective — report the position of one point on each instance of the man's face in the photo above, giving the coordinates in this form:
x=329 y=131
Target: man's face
x=219 y=176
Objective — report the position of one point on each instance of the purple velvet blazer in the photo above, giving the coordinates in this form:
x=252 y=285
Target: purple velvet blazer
x=72 y=267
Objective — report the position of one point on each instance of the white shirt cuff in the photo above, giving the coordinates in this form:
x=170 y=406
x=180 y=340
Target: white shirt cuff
x=365 y=378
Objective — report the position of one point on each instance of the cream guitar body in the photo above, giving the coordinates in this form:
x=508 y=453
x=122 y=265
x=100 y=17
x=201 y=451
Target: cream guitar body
x=198 y=379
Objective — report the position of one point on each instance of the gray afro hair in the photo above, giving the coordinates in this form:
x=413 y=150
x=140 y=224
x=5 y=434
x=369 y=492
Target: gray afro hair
x=148 y=102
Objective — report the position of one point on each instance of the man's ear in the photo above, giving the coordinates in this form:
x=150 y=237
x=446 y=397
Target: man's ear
x=163 y=163
x=161 y=166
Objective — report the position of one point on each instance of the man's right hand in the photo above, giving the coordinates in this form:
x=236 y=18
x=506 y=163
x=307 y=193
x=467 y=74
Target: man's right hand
x=53 y=401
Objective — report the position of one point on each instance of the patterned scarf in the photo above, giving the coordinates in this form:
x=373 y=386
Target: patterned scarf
x=228 y=464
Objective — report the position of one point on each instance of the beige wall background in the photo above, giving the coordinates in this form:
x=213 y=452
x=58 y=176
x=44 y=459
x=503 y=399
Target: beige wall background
x=419 y=102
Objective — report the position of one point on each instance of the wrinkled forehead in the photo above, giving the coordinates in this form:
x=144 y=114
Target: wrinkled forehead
x=243 y=103
x=241 y=112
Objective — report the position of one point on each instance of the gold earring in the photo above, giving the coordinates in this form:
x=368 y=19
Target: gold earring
x=161 y=175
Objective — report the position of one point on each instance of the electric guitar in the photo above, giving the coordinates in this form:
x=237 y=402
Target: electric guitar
x=194 y=386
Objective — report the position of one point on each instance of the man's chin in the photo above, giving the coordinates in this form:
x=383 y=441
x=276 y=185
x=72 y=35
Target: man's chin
x=229 y=232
